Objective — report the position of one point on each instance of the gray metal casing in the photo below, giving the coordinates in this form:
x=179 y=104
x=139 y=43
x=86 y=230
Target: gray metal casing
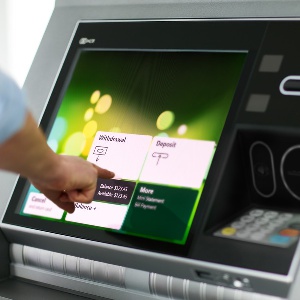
x=47 y=63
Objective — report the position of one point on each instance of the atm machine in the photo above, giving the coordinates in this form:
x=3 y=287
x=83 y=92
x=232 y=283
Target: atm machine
x=195 y=105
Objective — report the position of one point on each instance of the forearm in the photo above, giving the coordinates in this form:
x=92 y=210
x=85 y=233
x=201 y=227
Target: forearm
x=24 y=150
x=27 y=152
x=63 y=179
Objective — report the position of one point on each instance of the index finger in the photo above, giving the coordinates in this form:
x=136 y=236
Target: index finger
x=104 y=173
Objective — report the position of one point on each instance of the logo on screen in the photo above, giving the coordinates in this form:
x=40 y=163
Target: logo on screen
x=84 y=41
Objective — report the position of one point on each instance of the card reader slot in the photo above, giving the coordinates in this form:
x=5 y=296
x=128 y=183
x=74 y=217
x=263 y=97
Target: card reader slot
x=290 y=85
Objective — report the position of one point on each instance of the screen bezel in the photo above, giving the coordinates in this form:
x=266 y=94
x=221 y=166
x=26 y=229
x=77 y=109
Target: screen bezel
x=157 y=36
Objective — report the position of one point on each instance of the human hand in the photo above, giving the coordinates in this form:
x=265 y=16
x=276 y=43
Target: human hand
x=61 y=178
x=71 y=179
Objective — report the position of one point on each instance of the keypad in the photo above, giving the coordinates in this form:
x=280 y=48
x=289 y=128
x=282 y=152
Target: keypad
x=263 y=226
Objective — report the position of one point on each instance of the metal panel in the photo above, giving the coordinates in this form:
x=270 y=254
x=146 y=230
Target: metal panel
x=54 y=44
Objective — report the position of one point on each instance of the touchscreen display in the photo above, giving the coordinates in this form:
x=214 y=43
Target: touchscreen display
x=155 y=119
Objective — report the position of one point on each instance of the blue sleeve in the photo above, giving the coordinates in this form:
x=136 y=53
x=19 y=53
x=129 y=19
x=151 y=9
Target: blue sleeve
x=12 y=108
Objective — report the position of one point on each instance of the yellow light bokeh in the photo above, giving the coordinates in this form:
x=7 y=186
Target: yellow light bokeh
x=90 y=129
x=103 y=104
x=165 y=120
x=115 y=129
x=88 y=114
x=95 y=97
x=87 y=147
x=75 y=144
